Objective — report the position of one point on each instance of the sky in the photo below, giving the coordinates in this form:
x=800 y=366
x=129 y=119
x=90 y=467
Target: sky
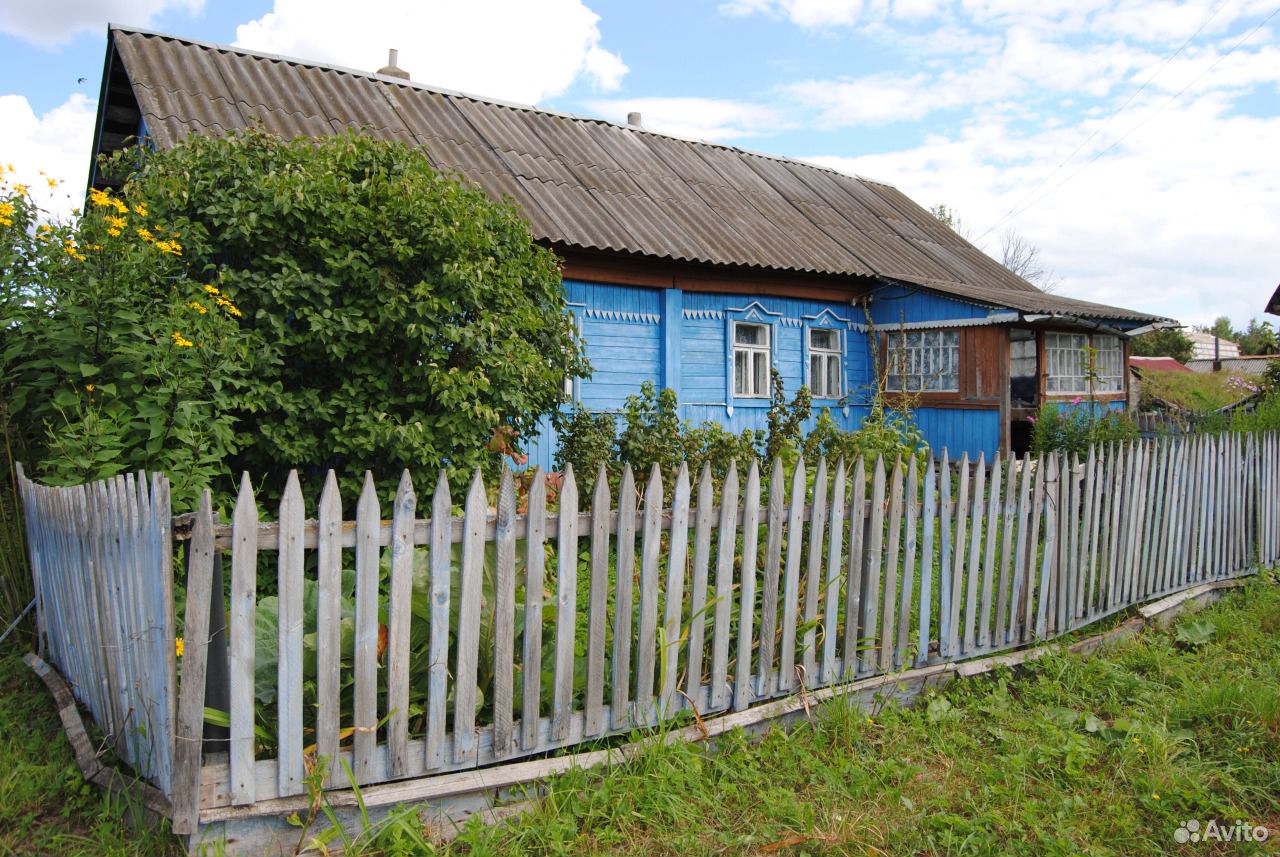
x=1135 y=143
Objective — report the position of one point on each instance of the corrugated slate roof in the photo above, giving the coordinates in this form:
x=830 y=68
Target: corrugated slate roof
x=588 y=183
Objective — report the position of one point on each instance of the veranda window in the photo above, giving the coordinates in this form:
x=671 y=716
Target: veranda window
x=824 y=364
x=924 y=361
x=1066 y=363
x=1109 y=364
x=751 y=360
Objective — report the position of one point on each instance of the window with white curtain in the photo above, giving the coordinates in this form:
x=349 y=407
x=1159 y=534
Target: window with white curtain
x=1066 y=363
x=1069 y=364
x=1108 y=364
x=824 y=364
x=751 y=360
x=925 y=361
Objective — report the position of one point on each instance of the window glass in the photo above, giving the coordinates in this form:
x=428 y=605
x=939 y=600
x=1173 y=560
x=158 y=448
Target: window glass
x=1066 y=363
x=924 y=361
x=751 y=360
x=824 y=364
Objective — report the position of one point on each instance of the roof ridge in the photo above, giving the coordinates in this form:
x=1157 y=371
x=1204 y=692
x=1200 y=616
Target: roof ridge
x=482 y=99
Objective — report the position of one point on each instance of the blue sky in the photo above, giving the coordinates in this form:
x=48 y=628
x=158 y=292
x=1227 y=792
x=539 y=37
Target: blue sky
x=1133 y=142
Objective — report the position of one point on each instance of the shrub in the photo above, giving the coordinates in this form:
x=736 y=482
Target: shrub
x=397 y=316
x=114 y=354
x=713 y=443
x=586 y=441
x=652 y=431
x=1076 y=429
x=785 y=420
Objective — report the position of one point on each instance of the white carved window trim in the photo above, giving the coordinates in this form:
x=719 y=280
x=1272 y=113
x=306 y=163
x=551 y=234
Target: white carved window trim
x=753 y=355
x=825 y=357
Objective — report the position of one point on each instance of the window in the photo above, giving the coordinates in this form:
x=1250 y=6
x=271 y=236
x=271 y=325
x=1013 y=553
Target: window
x=1108 y=364
x=1067 y=363
x=751 y=360
x=924 y=361
x=824 y=364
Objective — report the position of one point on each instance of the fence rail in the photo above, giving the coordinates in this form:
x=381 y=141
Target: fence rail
x=407 y=647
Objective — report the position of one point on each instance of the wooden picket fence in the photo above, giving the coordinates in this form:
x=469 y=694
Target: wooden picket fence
x=717 y=596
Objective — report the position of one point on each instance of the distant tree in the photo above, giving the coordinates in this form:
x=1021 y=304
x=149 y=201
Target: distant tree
x=1016 y=253
x=1258 y=338
x=1170 y=342
x=1220 y=328
x=950 y=219
x=1023 y=258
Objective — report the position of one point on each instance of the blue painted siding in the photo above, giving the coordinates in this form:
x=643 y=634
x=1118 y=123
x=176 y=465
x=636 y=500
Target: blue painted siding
x=892 y=305
x=960 y=431
x=634 y=334
x=1066 y=405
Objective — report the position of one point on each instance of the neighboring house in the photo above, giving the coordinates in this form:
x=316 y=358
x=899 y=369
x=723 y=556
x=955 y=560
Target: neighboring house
x=1273 y=305
x=696 y=266
x=1237 y=365
x=1206 y=346
x=1157 y=364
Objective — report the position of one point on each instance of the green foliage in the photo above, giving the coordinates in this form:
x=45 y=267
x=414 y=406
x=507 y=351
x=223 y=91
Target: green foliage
x=397 y=317
x=1254 y=339
x=1167 y=342
x=1195 y=633
x=1198 y=392
x=711 y=443
x=114 y=353
x=651 y=432
x=1075 y=429
x=586 y=441
x=784 y=419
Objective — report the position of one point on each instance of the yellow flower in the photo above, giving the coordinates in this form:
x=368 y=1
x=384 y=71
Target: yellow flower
x=119 y=206
x=89 y=387
x=178 y=646
x=145 y=234
x=99 y=197
x=117 y=222
x=228 y=306
x=1155 y=796
x=4 y=221
x=198 y=307
x=140 y=209
x=20 y=189
x=6 y=210
x=181 y=341
x=113 y=232
x=53 y=182
x=169 y=247
x=213 y=290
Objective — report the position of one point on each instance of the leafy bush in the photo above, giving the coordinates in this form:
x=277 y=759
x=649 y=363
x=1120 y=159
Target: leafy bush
x=714 y=444
x=397 y=317
x=885 y=432
x=114 y=353
x=785 y=420
x=587 y=441
x=1076 y=429
x=1168 y=342
x=652 y=431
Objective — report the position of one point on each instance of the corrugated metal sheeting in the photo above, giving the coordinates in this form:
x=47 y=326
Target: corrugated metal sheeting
x=587 y=183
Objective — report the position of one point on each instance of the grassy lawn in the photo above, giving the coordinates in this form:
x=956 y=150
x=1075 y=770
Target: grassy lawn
x=1095 y=755
x=1195 y=391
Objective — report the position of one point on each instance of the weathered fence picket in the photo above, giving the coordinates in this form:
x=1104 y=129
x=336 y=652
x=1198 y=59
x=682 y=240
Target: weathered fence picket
x=873 y=566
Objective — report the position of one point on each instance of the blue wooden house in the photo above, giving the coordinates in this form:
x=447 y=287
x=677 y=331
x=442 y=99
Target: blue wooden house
x=696 y=266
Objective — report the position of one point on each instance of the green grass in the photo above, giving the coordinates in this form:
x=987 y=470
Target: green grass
x=1105 y=754
x=45 y=805
x=1193 y=391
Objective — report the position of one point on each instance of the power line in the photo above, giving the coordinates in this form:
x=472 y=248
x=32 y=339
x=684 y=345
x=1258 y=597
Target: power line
x=1017 y=207
x=1148 y=118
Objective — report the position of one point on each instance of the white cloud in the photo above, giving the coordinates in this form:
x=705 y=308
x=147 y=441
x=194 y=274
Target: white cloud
x=54 y=144
x=1185 y=230
x=695 y=118
x=53 y=23
x=506 y=49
